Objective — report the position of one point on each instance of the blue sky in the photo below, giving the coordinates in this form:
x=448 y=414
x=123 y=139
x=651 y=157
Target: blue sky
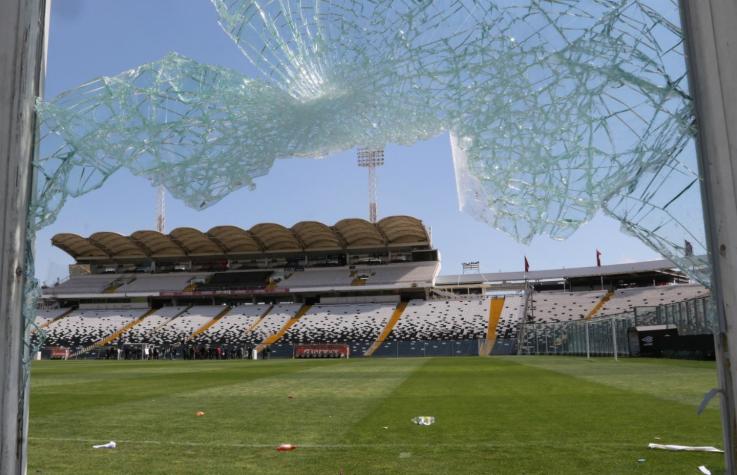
x=91 y=38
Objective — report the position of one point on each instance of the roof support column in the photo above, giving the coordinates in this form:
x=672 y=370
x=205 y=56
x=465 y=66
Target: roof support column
x=711 y=50
x=23 y=26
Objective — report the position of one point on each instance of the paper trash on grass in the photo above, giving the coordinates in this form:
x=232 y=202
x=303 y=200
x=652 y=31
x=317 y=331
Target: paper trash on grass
x=109 y=445
x=424 y=420
x=286 y=447
x=683 y=448
x=704 y=470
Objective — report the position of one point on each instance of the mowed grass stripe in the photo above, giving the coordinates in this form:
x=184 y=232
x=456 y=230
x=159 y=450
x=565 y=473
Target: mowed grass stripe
x=326 y=397
x=528 y=417
x=105 y=385
x=675 y=380
x=494 y=416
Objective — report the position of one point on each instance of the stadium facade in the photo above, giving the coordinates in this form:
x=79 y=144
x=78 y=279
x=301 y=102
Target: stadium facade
x=353 y=288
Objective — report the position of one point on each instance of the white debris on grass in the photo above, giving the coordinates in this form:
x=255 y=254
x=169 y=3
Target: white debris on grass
x=684 y=448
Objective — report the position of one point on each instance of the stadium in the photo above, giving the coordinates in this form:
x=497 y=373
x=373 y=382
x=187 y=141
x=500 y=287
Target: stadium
x=541 y=280
x=353 y=289
x=371 y=299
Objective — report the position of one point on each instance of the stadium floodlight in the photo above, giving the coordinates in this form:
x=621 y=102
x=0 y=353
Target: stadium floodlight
x=371 y=158
x=161 y=210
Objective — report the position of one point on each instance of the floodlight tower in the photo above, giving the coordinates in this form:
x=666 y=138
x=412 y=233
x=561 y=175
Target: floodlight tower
x=161 y=212
x=371 y=158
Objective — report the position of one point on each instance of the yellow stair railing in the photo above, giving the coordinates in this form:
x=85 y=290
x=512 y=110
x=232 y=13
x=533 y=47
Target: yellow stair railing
x=210 y=323
x=271 y=339
x=495 y=312
x=396 y=315
x=260 y=319
x=604 y=299
x=118 y=333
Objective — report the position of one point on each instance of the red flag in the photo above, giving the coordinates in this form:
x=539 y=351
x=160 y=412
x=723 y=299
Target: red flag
x=527 y=265
x=598 y=258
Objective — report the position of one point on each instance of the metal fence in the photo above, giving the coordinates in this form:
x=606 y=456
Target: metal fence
x=609 y=336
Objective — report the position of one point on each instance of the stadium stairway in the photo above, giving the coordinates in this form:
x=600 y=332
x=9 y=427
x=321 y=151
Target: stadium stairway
x=604 y=299
x=111 y=338
x=118 y=333
x=387 y=329
x=210 y=323
x=495 y=311
x=260 y=319
x=270 y=340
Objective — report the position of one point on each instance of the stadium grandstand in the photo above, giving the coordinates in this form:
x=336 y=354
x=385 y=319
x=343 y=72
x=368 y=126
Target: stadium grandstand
x=370 y=289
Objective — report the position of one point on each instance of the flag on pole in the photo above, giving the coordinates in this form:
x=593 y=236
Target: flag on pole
x=527 y=265
x=598 y=258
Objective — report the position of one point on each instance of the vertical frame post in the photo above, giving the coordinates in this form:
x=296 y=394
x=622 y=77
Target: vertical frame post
x=23 y=26
x=711 y=53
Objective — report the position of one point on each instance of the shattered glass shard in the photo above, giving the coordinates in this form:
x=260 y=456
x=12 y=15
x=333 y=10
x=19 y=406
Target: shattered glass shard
x=554 y=109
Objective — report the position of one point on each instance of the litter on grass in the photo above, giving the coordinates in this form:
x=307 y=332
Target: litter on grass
x=109 y=445
x=424 y=420
x=286 y=448
x=683 y=448
x=704 y=470
x=641 y=460
x=199 y=414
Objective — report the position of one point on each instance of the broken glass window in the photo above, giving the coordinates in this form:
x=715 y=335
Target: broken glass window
x=555 y=109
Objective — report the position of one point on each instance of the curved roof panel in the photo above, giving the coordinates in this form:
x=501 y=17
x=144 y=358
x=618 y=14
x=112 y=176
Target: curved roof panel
x=403 y=230
x=228 y=240
x=276 y=237
x=195 y=242
x=234 y=239
x=158 y=245
x=359 y=233
x=77 y=246
x=316 y=236
x=116 y=245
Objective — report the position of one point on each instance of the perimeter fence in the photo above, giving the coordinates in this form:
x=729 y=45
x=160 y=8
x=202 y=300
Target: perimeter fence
x=616 y=335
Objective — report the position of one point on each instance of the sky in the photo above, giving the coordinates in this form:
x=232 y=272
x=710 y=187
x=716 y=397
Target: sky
x=93 y=38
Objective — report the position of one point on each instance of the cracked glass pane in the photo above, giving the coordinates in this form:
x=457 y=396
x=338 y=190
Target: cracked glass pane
x=555 y=110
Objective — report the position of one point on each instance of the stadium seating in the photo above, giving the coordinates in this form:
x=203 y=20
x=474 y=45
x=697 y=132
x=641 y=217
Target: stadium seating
x=83 y=284
x=142 y=332
x=237 y=280
x=624 y=300
x=403 y=274
x=154 y=283
x=511 y=317
x=232 y=329
x=358 y=325
x=443 y=320
x=85 y=327
x=274 y=321
x=180 y=328
x=553 y=307
x=319 y=278
x=46 y=316
x=396 y=275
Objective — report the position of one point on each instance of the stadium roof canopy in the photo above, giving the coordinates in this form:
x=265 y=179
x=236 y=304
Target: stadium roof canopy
x=305 y=236
x=659 y=266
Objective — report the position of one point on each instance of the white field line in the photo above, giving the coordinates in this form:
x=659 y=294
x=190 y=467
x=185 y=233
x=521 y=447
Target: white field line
x=333 y=446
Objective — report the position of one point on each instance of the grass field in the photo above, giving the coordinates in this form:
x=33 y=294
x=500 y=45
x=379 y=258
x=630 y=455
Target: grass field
x=494 y=415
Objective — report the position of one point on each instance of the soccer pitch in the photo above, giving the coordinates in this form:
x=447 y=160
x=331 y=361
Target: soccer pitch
x=494 y=415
